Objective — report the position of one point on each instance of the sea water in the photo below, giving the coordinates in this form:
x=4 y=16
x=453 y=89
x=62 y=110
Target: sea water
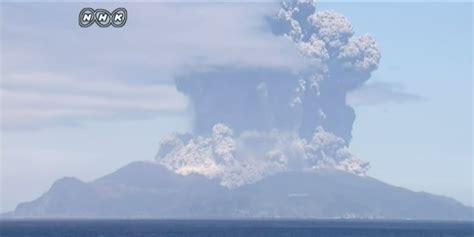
x=233 y=228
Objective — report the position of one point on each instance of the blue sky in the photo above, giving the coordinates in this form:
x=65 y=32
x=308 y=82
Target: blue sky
x=427 y=48
x=68 y=112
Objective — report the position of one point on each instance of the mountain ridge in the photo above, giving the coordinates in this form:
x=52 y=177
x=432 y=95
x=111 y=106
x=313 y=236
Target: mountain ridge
x=149 y=190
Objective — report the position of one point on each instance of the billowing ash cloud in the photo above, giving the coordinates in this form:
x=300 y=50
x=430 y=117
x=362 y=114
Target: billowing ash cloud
x=248 y=157
x=253 y=122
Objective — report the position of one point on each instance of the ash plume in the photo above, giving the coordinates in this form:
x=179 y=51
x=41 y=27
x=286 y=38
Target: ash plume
x=252 y=122
x=250 y=156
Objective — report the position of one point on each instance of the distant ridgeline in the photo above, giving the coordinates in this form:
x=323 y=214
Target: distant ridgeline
x=149 y=190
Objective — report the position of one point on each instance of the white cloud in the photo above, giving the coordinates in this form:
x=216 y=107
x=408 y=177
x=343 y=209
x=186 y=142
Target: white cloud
x=36 y=100
x=54 y=72
x=377 y=93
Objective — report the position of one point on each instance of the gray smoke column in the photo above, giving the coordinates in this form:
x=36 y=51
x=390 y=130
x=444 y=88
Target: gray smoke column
x=252 y=122
x=344 y=63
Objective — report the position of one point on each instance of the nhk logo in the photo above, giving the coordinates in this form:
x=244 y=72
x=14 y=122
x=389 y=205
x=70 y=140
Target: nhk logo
x=102 y=17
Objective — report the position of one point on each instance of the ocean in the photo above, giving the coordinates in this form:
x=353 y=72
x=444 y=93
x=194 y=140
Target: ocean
x=233 y=228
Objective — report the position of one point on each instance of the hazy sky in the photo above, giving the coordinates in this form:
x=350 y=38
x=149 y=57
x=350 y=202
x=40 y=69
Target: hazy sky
x=84 y=102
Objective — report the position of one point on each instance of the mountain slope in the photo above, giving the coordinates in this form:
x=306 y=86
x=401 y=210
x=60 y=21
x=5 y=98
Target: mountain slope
x=148 y=190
